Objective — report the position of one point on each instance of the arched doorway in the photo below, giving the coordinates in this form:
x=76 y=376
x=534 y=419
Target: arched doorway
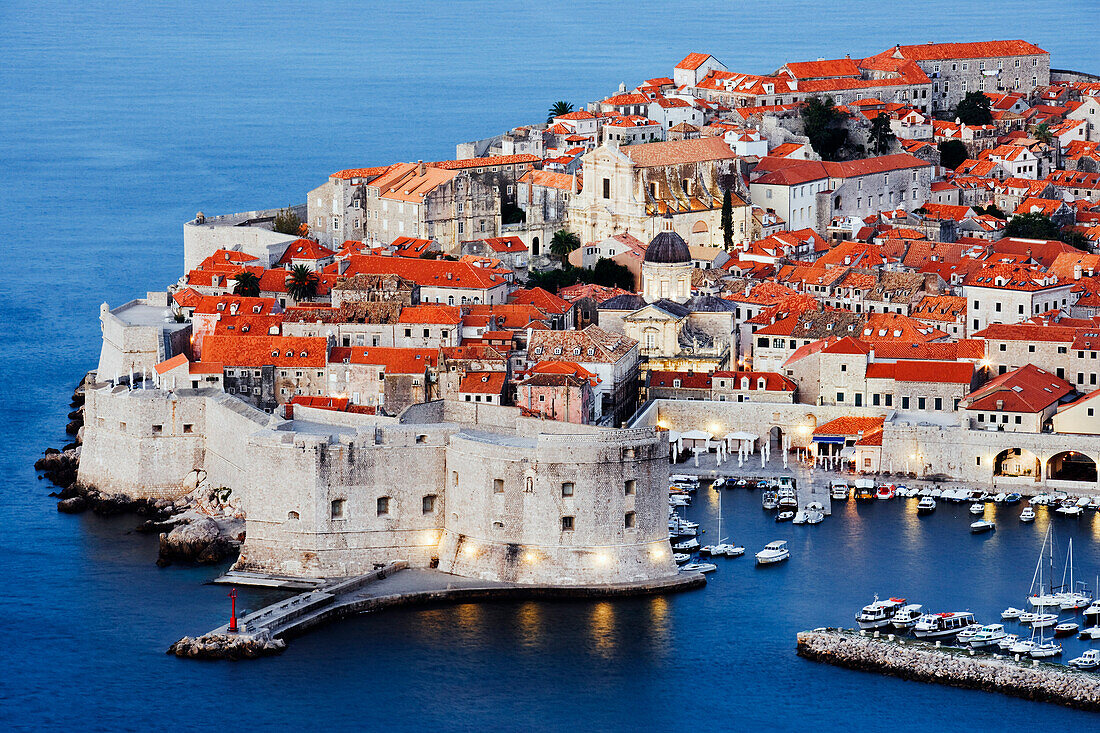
x=534 y=246
x=1071 y=466
x=1017 y=463
x=775 y=439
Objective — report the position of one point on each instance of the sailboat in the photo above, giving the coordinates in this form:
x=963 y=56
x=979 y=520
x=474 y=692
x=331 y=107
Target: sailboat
x=1077 y=596
x=1039 y=599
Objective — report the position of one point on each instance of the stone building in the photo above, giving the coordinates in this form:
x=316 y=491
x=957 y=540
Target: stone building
x=267 y=371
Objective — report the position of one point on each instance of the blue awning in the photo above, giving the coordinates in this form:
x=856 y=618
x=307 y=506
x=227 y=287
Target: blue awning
x=833 y=439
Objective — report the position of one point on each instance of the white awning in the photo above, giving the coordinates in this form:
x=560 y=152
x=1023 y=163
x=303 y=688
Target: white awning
x=696 y=435
x=741 y=436
x=848 y=452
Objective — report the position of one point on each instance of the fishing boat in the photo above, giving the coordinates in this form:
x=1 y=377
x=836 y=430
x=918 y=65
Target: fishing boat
x=977 y=509
x=773 y=552
x=927 y=505
x=878 y=614
x=699 y=567
x=940 y=625
x=1010 y=613
x=839 y=490
x=885 y=491
x=1027 y=515
x=1089 y=660
x=1066 y=628
x=982 y=525
x=906 y=617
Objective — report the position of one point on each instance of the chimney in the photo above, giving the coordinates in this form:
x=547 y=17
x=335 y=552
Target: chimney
x=1000 y=404
x=1077 y=271
x=420 y=168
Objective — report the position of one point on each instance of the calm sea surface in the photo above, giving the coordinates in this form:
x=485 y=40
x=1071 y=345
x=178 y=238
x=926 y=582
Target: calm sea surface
x=119 y=120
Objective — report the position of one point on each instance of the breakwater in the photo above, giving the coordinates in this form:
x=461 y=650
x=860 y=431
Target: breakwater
x=923 y=662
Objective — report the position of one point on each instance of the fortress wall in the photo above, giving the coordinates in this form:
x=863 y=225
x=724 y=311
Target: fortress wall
x=125 y=347
x=142 y=443
x=517 y=534
x=202 y=240
x=229 y=424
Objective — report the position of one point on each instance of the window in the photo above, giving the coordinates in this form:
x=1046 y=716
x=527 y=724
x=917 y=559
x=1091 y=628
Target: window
x=567 y=524
x=1017 y=419
x=630 y=485
x=607 y=188
x=498 y=486
x=905 y=403
x=158 y=429
x=383 y=504
x=188 y=427
x=567 y=488
x=338 y=506
x=292 y=515
x=938 y=403
x=427 y=506
x=921 y=403
x=839 y=397
x=629 y=520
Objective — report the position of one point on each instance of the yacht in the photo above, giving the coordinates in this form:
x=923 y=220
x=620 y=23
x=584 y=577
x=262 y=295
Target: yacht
x=1045 y=650
x=977 y=509
x=880 y=613
x=906 y=617
x=1066 y=628
x=1006 y=643
x=989 y=635
x=687 y=545
x=1011 y=613
x=940 y=625
x=927 y=505
x=1089 y=660
x=982 y=525
x=1042 y=620
x=699 y=567
x=885 y=491
x=680 y=557
x=839 y=490
x=1027 y=515
x=773 y=552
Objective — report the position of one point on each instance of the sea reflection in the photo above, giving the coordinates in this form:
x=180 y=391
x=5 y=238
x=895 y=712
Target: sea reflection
x=529 y=625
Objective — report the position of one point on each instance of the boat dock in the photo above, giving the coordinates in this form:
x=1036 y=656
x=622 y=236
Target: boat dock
x=928 y=662
x=396 y=585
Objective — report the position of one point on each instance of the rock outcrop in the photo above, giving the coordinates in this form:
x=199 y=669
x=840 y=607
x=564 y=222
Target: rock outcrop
x=199 y=540
x=913 y=660
x=227 y=646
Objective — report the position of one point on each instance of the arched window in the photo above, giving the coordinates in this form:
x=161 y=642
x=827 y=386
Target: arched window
x=292 y=515
x=836 y=203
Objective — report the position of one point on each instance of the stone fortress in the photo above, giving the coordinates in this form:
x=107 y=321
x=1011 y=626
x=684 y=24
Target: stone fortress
x=474 y=490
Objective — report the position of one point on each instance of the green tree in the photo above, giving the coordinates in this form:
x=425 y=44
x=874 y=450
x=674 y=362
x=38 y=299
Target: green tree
x=301 y=283
x=559 y=108
x=1074 y=238
x=1031 y=225
x=991 y=210
x=882 y=137
x=562 y=243
x=247 y=284
x=973 y=109
x=825 y=127
x=554 y=280
x=952 y=153
x=1042 y=133
x=287 y=222
x=727 y=220
x=611 y=274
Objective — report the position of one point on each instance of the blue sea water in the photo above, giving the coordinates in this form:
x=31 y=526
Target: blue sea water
x=119 y=120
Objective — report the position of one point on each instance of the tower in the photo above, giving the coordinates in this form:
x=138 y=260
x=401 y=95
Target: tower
x=666 y=268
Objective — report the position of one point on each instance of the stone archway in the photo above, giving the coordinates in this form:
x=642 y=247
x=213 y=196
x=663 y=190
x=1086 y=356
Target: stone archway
x=534 y=246
x=1017 y=463
x=1071 y=466
x=775 y=439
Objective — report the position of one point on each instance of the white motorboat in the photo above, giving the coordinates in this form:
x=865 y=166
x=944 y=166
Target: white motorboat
x=967 y=634
x=726 y=550
x=1011 y=613
x=999 y=498
x=687 y=545
x=706 y=550
x=1023 y=646
x=784 y=516
x=699 y=567
x=1089 y=660
x=1027 y=515
x=982 y=525
x=988 y=635
x=679 y=500
x=906 y=617
x=770 y=500
x=977 y=509
x=1066 y=628
x=788 y=499
x=839 y=490
x=878 y=614
x=927 y=505
x=1043 y=620
x=680 y=557
x=1071 y=510
x=886 y=491
x=814 y=516
x=1093 y=610
x=1045 y=650
x=1074 y=601
x=1006 y=643
x=773 y=552
x=1092 y=633
x=936 y=492
x=940 y=625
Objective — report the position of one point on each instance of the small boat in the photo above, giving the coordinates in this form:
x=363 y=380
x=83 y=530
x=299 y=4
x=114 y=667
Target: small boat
x=967 y=634
x=784 y=516
x=706 y=550
x=927 y=505
x=679 y=500
x=906 y=617
x=1011 y=613
x=1092 y=633
x=773 y=552
x=788 y=499
x=1093 y=610
x=839 y=490
x=1027 y=515
x=1013 y=498
x=865 y=490
x=744 y=483
x=977 y=509
x=724 y=550
x=939 y=625
x=699 y=567
x=878 y=614
x=763 y=484
x=1089 y=660
x=1074 y=601
x=1066 y=628
x=982 y=525
x=1007 y=642
x=885 y=491
x=1043 y=620
x=999 y=498
x=680 y=557
x=936 y=492
x=1070 y=510
x=814 y=516
x=770 y=500
x=1026 y=617
x=1045 y=650
x=1023 y=646
x=687 y=545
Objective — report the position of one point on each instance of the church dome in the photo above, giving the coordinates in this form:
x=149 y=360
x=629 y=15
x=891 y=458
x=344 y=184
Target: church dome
x=668 y=248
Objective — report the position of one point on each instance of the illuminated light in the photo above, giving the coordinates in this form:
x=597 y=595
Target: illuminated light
x=469 y=551
x=530 y=556
x=659 y=554
x=602 y=558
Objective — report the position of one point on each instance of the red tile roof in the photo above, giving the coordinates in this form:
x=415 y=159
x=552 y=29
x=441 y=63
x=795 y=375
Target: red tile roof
x=304 y=249
x=850 y=426
x=693 y=61
x=431 y=273
x=540 y=298
x=976 y=49
x=429 y=313
x=945 y=372
x=1027 y=389
x=258 y=351
x=393 y=360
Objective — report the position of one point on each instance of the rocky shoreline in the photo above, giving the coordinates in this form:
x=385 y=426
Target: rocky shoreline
x=203 y=526
x=923 y=662
x=227 y=646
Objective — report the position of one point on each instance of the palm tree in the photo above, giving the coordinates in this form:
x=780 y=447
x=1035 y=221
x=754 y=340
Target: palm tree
x=563 y=242
x=301 y=283
x=559 y=108
x=247 y=284
x=1043 y=134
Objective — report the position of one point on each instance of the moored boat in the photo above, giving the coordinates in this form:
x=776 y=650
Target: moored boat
x=839 y=490
x=1066 y=628
x=878 y=614
x=1011 y=613
x=1089 y=660
x=773 y=552
x=982 y=525
x=927 y=505
x=687 y=545
x=940 y=625
x=1006 y=643
x=885 y=491
x=1045 y=650
x=1013 y=498
x=784 y=516
x=977 y=509
x=1042 y=620
x=1027 y=515
x=699 y=567
x=906 y=617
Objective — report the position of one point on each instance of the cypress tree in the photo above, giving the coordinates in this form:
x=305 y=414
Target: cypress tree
x=727 y=220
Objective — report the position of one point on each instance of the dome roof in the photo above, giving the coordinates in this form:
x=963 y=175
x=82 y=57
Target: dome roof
x=668 y=248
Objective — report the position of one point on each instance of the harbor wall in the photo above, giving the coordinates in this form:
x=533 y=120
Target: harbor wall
x=925 y=663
